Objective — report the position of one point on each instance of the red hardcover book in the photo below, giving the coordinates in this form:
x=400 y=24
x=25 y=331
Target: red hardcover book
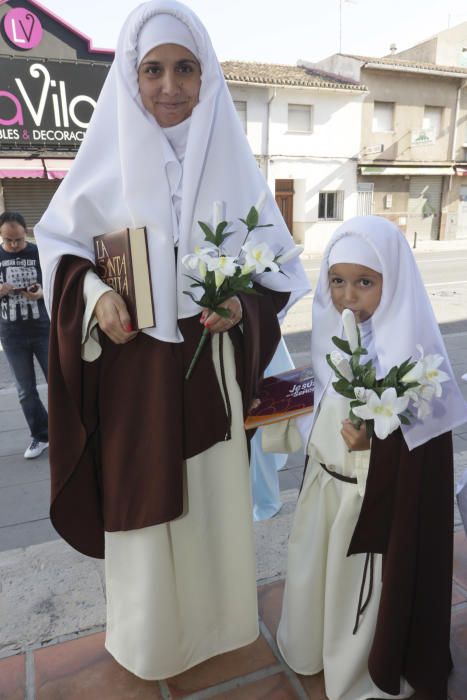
x=122 y=262
x=283 y=396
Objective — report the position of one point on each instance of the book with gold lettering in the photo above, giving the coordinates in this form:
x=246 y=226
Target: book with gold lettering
x=283 y=396
x=122 y=262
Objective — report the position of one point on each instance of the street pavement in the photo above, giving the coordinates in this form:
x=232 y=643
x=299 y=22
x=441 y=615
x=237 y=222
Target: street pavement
x=51 y=593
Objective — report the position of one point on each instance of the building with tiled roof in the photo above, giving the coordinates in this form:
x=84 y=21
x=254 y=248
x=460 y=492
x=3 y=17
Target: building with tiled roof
x=303 y=125
x=413 y=160
x=273 y=74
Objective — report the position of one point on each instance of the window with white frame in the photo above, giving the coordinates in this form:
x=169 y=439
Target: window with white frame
x=331 y=205
x=300 y=118
x=240 y=106
x=432 y=120
x=383 y=116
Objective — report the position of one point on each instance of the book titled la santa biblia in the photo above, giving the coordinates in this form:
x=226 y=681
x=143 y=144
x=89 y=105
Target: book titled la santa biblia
x=122 y=262
x=283 y=396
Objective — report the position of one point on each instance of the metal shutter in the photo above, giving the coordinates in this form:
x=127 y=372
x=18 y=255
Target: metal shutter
x=29 y=196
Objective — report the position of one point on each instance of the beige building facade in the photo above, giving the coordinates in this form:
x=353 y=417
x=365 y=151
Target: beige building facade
x=413 y=160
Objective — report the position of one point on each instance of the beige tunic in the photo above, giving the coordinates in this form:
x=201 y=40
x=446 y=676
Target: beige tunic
x=323 y=584
x=181 y=592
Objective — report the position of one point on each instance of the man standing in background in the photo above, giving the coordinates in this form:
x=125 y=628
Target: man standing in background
x=24 y=323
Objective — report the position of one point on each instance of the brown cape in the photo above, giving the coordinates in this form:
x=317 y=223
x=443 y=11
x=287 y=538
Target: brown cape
x=407 y=515
x=120 y=427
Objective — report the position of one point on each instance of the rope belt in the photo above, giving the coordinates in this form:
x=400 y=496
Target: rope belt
x=369 y=559
x=340 y=477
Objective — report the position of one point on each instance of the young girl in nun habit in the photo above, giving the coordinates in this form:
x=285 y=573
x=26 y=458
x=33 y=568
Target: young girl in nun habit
x=368 y=591
x=148 y=470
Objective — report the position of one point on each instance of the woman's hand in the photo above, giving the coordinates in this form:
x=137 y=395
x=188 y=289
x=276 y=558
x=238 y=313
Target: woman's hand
x=218 y=324
x=356 y=440
x=113 y=318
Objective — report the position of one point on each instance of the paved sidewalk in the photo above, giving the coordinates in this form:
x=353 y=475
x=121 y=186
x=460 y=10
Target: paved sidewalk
x=52 y=599
x=82 y=668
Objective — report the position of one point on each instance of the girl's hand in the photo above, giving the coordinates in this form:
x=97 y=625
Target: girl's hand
x=113 y=318
x=218 y=324
x=356 y=440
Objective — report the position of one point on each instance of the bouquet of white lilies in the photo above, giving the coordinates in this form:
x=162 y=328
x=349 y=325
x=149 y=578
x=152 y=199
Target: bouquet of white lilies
x=383 y=404
x=222 y=276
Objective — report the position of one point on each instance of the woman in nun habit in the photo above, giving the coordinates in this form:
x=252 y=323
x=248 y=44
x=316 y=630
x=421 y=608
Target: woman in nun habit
x=150 y=470
x=368 y=590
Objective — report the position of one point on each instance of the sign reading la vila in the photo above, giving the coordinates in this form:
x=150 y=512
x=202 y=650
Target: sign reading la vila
x=47 y=102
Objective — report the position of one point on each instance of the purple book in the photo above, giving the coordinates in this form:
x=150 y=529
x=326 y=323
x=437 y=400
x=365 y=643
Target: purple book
x=283 y=396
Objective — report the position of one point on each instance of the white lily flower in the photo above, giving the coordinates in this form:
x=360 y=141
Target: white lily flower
x=384 y=411
x=415 y=374
x=225 y=264
x=246 y=269
x=219 y=278
x=217 y=213
x=261 y=201
x=204 y=254
x=342 y=365
x=290 y=254
x=259 y=256
x=202 y=269
x=434 y=376
x=350 y=328
x=362 y=394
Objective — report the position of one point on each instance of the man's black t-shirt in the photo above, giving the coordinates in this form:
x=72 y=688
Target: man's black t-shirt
x=21 y=269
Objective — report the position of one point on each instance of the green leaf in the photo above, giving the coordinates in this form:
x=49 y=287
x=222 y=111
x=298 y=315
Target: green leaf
x=342 y=386
x=404 y=419
x=252 y=219
x=208 y=233
x=341 y=344
x=370 y=428
x=391 y=378
x=193 y=298
x=222 y=311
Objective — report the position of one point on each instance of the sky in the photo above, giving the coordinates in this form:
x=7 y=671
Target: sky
x=283 y=32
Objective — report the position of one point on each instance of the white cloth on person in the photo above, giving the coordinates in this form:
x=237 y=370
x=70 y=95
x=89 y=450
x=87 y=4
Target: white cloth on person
x=322 y=589
x=119 y=179
x=181 y=592
x=404 y=305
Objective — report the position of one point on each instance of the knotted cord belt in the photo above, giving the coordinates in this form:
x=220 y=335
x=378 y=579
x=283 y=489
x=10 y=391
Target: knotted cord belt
x=369 y=558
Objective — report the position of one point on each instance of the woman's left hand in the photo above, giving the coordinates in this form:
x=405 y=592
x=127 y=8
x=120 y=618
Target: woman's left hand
x=218 y=324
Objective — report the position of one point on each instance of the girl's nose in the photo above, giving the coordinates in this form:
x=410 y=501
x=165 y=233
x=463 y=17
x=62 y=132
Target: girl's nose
x=349 y=293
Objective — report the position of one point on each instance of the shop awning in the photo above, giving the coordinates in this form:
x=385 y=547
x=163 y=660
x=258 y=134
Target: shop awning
x=461 y=171
x=21 y=167
x=409 y=170
x=57 y=168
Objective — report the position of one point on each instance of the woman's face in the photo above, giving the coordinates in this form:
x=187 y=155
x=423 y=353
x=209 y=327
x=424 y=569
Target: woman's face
x=169 y=79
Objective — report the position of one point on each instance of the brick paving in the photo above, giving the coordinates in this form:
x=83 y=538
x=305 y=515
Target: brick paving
x=82 y=669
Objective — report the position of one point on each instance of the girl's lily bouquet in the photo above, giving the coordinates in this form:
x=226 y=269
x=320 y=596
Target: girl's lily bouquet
x=383 y=404
x=222 y=276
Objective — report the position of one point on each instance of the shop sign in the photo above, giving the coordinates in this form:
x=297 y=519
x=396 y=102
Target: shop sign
x=47 y=102
x=23 y=28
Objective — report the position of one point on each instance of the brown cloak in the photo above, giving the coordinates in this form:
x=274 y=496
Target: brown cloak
x=120 y=427
x=407 y=515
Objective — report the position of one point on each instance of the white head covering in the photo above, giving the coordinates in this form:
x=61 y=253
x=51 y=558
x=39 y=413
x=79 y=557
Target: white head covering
x=164 y=29
x=119 y=178
x=403 y=319
x=354 y=250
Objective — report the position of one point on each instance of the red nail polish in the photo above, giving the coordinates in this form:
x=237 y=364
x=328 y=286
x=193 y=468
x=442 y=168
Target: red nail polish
x=128 y=327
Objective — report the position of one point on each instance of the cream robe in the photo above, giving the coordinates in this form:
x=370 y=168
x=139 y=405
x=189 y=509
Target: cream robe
x=181 y=592
x=323 y=584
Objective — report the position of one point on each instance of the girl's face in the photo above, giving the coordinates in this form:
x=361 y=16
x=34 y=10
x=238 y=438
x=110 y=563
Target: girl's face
x=169 y=79
x=355 y=287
